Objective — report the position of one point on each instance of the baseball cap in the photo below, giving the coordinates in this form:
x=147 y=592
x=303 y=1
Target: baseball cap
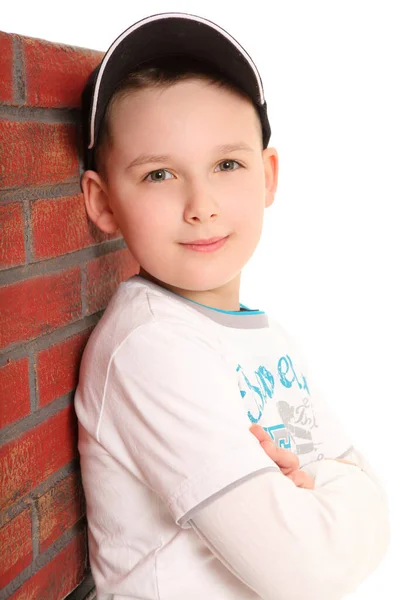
x=161 y=35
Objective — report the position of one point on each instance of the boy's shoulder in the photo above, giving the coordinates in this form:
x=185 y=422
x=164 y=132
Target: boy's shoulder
x=134 y=305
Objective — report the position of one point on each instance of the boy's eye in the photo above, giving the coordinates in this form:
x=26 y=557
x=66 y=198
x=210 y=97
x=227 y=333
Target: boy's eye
x=227 y=164
x=157 y=175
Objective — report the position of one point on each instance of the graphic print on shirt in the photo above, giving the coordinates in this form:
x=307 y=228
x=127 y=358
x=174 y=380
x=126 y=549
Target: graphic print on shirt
x=281 y=403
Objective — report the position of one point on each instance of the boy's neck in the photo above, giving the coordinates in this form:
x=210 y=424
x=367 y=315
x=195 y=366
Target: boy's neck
x=224 y=298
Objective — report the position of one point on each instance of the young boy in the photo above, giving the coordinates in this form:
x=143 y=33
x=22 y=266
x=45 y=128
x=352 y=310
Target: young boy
x=210 y=466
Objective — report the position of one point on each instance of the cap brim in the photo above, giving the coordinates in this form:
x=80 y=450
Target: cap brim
x=169 y=34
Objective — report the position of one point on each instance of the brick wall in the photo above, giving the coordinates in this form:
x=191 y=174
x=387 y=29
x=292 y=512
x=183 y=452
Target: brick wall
x=57 y=273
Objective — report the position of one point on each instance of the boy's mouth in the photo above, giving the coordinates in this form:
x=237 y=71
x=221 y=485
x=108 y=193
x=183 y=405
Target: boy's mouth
x=206 y=245
x=206 y=241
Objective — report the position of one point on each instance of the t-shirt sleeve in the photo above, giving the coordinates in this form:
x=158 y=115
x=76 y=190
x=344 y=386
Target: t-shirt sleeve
x=172 y=410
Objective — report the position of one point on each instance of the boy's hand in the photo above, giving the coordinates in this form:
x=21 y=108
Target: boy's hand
x=286 y=460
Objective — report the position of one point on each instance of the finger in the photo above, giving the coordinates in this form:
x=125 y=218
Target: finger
x=260 y=433
x=281 y=456
x=302 y=479
x=287 y=470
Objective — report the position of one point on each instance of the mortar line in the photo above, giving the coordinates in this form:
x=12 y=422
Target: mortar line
x=19 y=76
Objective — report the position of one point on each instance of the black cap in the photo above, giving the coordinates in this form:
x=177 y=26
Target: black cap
x=161 y=35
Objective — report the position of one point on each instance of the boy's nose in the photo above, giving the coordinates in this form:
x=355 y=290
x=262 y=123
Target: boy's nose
x=200 y=204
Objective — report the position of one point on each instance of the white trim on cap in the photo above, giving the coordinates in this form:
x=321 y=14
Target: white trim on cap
x=157 y=18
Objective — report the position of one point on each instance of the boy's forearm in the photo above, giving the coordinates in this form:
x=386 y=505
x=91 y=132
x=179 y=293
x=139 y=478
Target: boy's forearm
x=289 y=543
x=376 y=520
x=358 y=462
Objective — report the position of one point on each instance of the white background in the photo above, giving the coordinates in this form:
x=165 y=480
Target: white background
x=327 y=265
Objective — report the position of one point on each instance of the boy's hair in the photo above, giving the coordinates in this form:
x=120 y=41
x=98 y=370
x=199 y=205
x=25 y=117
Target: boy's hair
x=160 y=73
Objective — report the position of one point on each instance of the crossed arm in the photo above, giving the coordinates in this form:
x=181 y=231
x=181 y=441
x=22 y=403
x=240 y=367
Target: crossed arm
x=289 y=543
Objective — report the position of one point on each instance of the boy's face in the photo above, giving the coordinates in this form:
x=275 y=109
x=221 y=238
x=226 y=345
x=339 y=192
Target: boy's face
x=188 y=191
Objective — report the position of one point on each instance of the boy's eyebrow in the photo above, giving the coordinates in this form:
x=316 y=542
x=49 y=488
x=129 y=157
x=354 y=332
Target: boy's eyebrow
x=156 y=158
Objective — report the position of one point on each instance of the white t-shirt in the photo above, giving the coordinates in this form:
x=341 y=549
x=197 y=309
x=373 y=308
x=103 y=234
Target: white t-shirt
x=168 y=389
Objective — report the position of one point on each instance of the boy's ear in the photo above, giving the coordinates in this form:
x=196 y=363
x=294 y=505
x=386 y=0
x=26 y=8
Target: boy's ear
x=271 y=168
x=96 y=202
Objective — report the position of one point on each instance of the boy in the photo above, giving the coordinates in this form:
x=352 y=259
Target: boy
x=183 y=501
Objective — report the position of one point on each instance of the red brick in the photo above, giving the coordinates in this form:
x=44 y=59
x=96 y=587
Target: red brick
x=14 y=386
x=60 y=576
x=58 y=367
x=39 y=305
x=12 y=246
x=61 y=225
x=103 y=276
x=37 y=153
x=16 y=547
x=55 y=73
x=6 y=67
x=59 y=509
x=37 y=454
